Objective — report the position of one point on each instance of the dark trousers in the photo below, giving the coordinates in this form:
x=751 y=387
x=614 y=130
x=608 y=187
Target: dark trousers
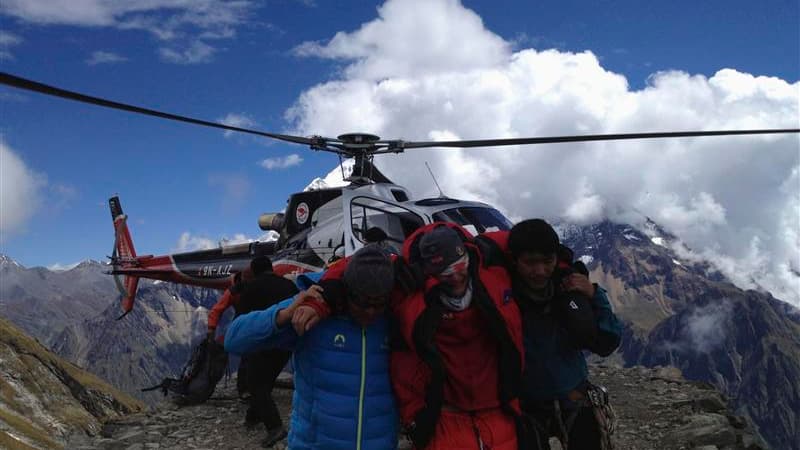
x=580 y=423
x=241 y=377
x=262 y=370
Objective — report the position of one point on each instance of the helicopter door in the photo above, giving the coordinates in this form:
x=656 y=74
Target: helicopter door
x=363 y=213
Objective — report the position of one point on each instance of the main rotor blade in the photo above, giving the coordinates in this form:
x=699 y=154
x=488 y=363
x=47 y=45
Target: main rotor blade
x=34 y=86
x=394 y=146
x=589 y=137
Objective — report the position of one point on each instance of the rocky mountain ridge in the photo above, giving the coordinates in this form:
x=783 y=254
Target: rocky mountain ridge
x=151 y=343
x=44 y=400
x=74 y=312
x=42 y=302
x=685 y=314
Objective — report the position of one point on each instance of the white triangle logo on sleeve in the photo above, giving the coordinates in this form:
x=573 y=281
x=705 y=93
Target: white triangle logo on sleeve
x=573 y=305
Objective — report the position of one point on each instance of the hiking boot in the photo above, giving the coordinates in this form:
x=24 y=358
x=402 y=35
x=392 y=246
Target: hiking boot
x=273 y=437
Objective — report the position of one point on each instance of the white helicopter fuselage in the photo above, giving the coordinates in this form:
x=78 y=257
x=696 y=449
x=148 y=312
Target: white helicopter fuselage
x=337 y=227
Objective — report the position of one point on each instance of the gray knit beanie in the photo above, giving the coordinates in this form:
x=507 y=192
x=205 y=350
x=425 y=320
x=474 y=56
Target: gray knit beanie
x=370 y=272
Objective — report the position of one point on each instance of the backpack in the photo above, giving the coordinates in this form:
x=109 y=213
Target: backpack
x=199 y=377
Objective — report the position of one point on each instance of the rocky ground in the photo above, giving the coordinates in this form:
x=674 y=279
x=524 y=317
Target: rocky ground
x=656 y=409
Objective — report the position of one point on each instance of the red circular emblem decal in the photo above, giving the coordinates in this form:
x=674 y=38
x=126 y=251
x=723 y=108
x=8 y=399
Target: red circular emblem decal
x=301 y=213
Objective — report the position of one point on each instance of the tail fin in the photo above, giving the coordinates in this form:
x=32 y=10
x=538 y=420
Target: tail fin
x=123 y=256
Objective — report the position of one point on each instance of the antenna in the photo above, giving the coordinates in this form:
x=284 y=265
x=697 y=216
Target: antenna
x=441 y=194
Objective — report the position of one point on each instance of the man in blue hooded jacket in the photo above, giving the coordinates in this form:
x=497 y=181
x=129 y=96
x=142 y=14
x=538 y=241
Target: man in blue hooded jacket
x=343 y=396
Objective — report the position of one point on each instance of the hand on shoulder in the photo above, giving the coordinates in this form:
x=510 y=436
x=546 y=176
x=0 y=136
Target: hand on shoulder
x=576 y=282
x=301 y=313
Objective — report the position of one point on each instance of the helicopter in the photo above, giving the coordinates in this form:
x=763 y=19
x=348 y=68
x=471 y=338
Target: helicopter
x=319 y=226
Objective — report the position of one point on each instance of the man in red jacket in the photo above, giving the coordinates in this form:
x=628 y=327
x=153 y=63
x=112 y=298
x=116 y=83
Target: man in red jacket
x=456 y=363
x=230 y=298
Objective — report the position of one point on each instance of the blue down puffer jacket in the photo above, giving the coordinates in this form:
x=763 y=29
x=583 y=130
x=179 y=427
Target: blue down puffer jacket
x=343 y=396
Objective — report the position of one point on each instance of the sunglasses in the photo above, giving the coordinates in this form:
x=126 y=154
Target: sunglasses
x=460 y=266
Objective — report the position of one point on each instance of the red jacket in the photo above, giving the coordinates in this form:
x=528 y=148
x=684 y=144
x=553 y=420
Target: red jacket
x=227 y=299
x=469 y=360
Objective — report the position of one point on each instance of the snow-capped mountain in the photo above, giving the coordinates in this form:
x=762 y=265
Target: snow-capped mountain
x=335 y=178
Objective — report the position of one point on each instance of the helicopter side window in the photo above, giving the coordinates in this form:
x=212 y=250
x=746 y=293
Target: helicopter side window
x=397 y=222
x=475 y=219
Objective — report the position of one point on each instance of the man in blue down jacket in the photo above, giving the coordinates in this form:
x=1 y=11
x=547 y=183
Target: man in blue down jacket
x=343 y=396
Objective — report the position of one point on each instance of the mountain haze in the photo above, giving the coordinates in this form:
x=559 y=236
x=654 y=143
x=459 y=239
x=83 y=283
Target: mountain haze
x=42 y=301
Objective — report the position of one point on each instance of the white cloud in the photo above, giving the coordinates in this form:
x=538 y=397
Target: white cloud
x=281 y=162
x=234 y=192
x=385 y=48
x=20 y=192
x=196 y=52
x=188 y=24
x=586 y=207
x=101 y=57
x=703 y=329
x=168 y=14
x=237 y=120
x=8 y=40
x=60 y=197
x=189 y=242
x=12 y=96
x=735 y=200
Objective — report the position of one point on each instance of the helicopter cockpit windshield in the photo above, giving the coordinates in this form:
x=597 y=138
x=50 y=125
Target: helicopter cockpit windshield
x=475 y=219
x=396 y=221
x=365 y=211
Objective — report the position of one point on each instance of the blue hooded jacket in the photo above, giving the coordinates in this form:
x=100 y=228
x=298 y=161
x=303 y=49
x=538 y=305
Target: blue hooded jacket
x=343 y=396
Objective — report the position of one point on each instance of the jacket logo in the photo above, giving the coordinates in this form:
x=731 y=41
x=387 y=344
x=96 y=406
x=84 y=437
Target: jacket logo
x=339 y=340
x=572 y=304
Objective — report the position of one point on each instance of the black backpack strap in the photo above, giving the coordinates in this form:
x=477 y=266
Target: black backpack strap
x=165 y=386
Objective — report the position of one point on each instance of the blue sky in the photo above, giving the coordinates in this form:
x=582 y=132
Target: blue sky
x=279 y=65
